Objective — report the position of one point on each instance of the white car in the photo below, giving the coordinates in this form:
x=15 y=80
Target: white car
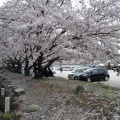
x=74 y=74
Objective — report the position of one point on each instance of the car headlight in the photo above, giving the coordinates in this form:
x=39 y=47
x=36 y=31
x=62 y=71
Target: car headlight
x=70 y=75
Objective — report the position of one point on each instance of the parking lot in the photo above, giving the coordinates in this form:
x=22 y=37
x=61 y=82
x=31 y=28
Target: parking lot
x=114 y=80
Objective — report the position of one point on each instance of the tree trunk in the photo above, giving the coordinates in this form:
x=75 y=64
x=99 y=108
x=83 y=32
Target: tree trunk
x=39 y=64
x=49 y=63
x=19 y=67
x=13 y=67
x=26 y=66
x=35 y=70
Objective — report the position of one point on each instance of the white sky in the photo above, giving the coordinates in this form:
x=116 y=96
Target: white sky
x=1 y=2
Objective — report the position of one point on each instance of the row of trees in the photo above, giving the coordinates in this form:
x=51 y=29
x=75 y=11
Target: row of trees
x=37 y=33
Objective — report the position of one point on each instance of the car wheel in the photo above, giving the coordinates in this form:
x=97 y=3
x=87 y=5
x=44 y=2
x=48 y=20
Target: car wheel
x=89 y=80
x=75 y=78
x=106 y=78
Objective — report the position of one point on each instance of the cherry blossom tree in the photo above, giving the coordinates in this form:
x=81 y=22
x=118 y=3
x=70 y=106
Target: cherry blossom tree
x=39 y=32
x=96 y=28
x=37 y=38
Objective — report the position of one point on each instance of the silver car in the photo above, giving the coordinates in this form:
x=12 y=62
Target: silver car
x=75 y=73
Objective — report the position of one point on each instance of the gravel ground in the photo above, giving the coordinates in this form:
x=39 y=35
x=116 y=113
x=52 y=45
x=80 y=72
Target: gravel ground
x=62 y=103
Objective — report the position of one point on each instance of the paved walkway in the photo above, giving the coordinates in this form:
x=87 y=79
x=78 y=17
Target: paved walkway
x=114 y=80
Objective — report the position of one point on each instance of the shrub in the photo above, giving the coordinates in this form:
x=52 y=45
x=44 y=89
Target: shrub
x=9 y=116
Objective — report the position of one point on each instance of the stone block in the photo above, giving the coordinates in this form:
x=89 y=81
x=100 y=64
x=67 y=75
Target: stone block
x=10 y=87
x=19 y=91
x=7 y=104
x=2 y=92
x=32 y=108
x=80 y=89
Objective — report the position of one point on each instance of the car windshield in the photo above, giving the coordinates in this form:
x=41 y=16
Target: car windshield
x=76 y=70
x=88 y=70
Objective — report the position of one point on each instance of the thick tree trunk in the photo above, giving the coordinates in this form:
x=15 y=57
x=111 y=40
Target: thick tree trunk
x=50 y=62
x=35 y=70
x=44 y=68
x=26 y=66
x=39 y=64
x=19 y=67
x=39 y=70
x=13 y=67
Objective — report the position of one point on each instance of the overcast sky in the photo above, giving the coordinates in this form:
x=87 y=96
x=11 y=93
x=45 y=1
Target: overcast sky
x=1 y=2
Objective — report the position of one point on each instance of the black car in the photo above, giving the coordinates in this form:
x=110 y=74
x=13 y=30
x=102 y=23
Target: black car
x=94 y=74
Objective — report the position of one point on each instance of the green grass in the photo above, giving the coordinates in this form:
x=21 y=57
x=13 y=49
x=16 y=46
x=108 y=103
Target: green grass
x=99 y=88
x=9 y=116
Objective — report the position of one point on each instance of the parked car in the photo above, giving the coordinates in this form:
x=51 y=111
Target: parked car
x=94 y=74
x=74 y=75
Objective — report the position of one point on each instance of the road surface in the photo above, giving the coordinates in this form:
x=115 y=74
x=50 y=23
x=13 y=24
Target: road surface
x=114 y=80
